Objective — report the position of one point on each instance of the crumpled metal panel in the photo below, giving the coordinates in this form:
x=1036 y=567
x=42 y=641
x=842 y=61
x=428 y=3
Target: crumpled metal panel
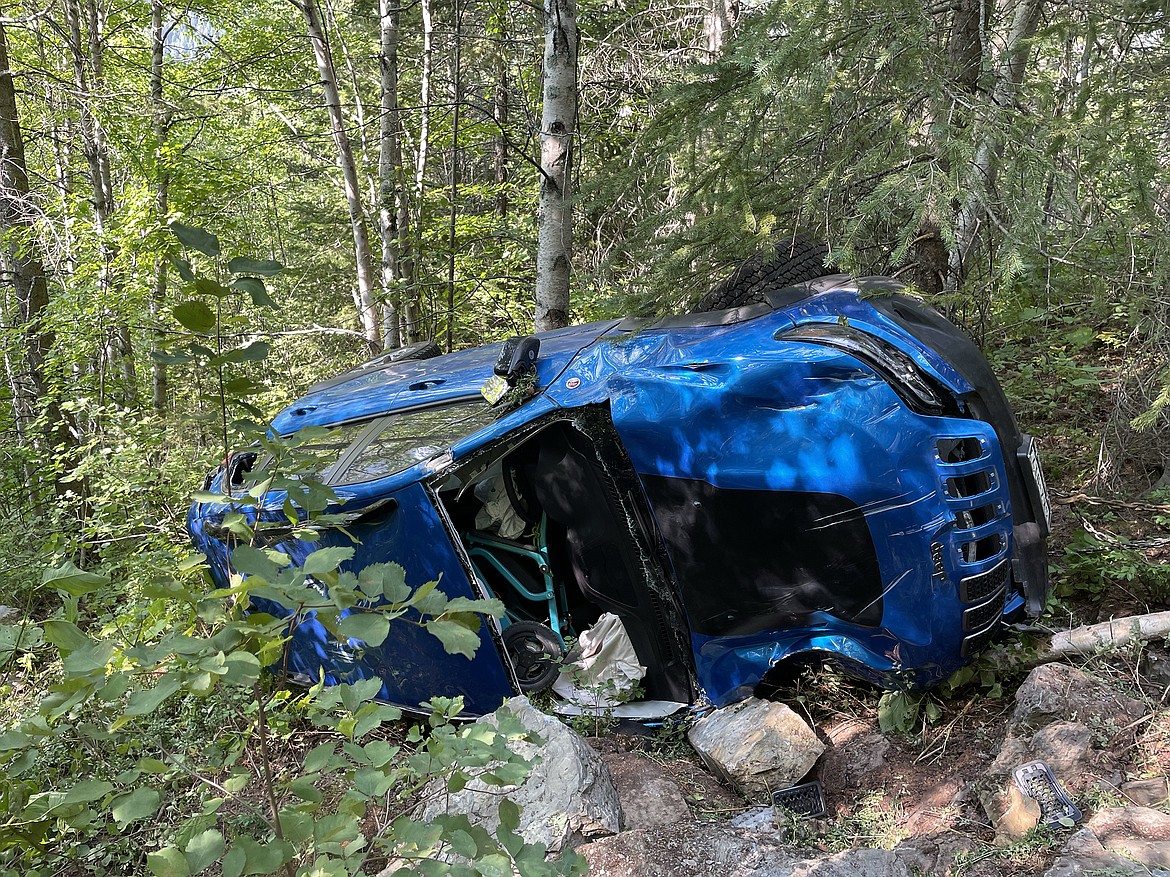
x=737 y=409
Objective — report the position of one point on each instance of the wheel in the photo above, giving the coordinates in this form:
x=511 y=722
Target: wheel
x=535 y=653
x=418 y=350
x=793 y=260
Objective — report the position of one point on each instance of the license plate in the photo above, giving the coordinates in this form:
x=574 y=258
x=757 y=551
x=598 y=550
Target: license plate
x=1040 y=493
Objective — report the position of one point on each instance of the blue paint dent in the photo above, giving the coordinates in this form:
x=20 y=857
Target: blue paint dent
x=438 y=380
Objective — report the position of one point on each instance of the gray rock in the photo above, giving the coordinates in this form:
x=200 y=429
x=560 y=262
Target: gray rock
x=757 y=746
x=9 y=615
x=567 y=797
x=1058 y=692
x=648 y=797
x=867 y=754
x=1146 y=793
x=1139 y=833
x=711 y=850
x=1084 y=856
x=757 y=820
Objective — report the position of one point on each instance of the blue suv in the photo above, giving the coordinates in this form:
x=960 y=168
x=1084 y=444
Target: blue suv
x=828 y=471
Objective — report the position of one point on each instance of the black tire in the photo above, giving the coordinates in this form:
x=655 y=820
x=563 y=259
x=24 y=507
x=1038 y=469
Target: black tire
x=535 y=653
x=793 y=260
x=418 y=350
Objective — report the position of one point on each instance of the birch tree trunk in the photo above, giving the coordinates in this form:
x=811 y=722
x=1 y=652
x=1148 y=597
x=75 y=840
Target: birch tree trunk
x=87 y=52
x=500 y=115
x=558 y=125
x=364 y=296
x=1009 y=68
x=412 y=306
x=457 y=95
x=393 y=215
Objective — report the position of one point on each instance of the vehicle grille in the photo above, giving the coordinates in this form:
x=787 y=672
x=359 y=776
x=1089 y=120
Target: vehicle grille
x=977 y=642
x=979 y=617
x=976 y=588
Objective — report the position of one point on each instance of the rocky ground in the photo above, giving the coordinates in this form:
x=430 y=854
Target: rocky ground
x=938 y=801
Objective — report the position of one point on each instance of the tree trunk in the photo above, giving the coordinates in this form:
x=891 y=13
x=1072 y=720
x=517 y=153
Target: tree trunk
x=367 y=309
x=1009 y=69
x=457 y=95
x=17 y=226
x=412 y=305
x=558 y=125
x=720 y=18
x=500 y=116
x=162 y=116
x=88 y=52
x=392 y=206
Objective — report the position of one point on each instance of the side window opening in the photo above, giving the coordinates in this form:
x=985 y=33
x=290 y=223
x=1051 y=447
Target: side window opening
x=548 y=531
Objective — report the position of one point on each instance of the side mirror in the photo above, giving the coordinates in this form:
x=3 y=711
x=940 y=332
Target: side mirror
x=517 y=356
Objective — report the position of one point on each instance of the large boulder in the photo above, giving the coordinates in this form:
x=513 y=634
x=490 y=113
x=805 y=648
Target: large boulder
x=567 y=797
x=1139 y=833
x=757 y=746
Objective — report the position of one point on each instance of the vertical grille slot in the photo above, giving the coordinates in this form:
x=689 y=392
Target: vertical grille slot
x=959 y=450
x=959 y=486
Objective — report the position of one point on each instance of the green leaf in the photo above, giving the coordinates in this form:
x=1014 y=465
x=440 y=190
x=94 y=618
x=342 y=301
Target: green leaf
x=243 y=668
x=65 y=635
x=245 y=265
x=183 y=267
x=254 y=562
x=319 y=757
x=148 y=700
x=233 y=862
x=168 y=862
x=384 y=580
x=369 y=627
x=254 y=352
x=204 y=849
x=325 y=560
x=243 y=386
x=303 y=788
x=254 y=286
x=153 y=765
x=86 y=791
x=196 y=238
x=264 y=858
x=455 y=637
x=139 y=804
x=72 y=580
x=194 y=315
x=509 y=814
x=211 y=287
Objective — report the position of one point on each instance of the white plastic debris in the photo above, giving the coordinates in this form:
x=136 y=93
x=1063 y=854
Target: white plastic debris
x=602 y=670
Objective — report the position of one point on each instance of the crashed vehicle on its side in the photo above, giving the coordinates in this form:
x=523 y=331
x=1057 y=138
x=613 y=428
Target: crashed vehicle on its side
x=825 y=469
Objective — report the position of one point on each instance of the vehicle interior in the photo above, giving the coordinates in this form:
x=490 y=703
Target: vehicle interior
x=555 y=526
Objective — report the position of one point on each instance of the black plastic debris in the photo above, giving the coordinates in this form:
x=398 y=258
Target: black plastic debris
x=1036 y=780
x=806 y=800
